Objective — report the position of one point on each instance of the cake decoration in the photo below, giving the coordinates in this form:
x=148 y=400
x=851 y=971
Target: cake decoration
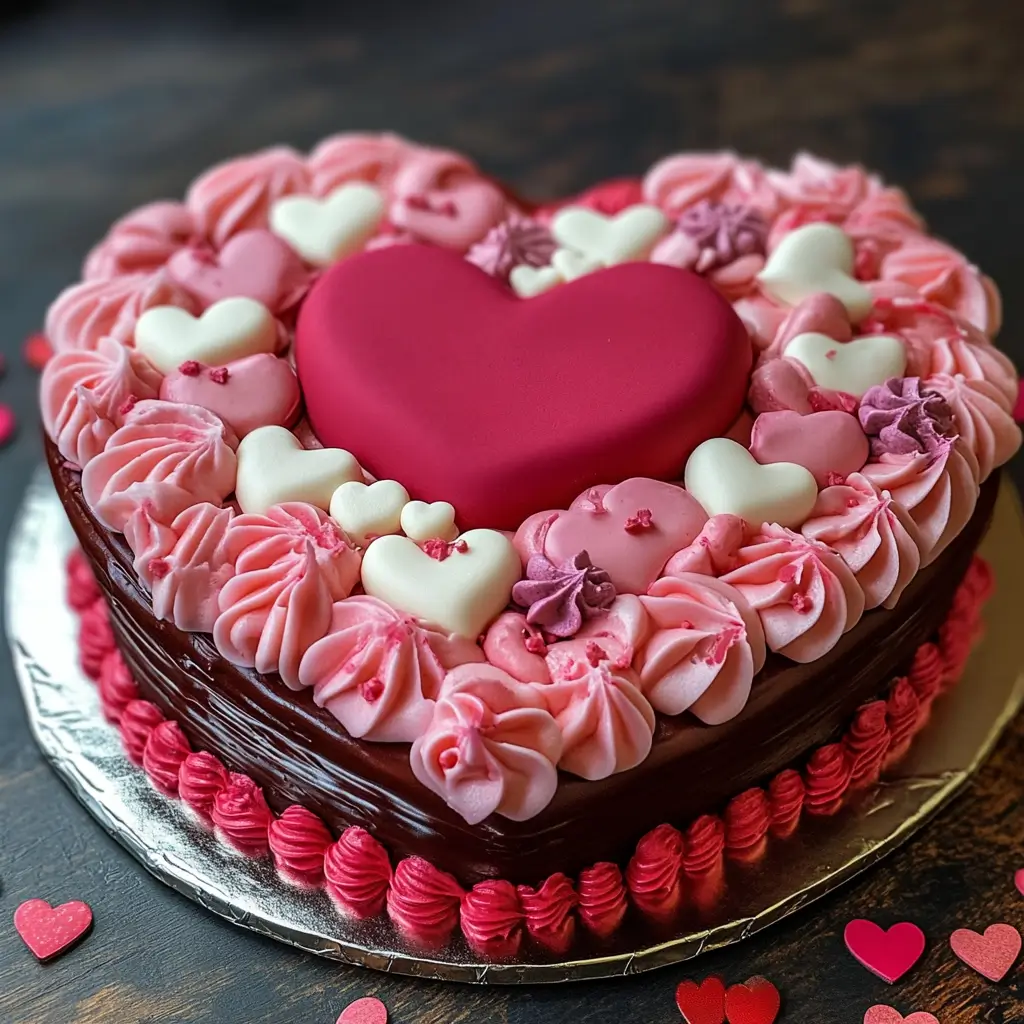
x=274 y=468
x=713 y=553
x=720 y=234
x=725 y=478
x=571 y=264
x=559 y=598
x=356 y=156
x=992 y=953
x=50 y=931
x=365 y=511
x=886 y=952
x=422 y=521
x=142 y=241
x=852 y=367
x=684 y=179
x=516 y=241
x=829 y=444
x=229 y=329
x=529 y=282
x=818 y=257
x=629 y=235
x=322 y=231
x=901 y=419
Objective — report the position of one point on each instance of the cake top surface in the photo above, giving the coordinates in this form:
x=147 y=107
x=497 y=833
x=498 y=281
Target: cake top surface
x=502 y=480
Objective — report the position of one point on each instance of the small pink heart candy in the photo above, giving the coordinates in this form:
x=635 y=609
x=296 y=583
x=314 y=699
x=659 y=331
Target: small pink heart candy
x=257 y=391
x=826 y=443
x=255 y=264
x=882 y=1014
x=368 y=1010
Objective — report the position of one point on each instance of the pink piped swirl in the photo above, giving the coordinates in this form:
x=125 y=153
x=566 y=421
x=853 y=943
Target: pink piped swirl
x=813 y=184
x=291 y=565
x=357 y=873
x=140 y=242
x=85 y=313
x=941 y=274
x=680 y=181
x=706 y=647
x=875 y=535
x=518 y=648
x=607 y=724
x=939 y=490
x=713 y=552
x=806 y=596
x=983 y=418
x=378 y=671
x=165 y=456
x=491 y=746
x=351 y=156
x=184 y=564
x=237 y=195
x=84 y=395
x=617 y=633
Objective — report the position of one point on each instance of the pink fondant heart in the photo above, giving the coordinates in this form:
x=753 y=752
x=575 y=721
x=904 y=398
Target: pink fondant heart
x=257 y=391
x=49 y=931
x=883 y=1014
x=256 y=264
x=435 y=374
x=991 y=954
x=610 y=524
x=828 y=443
x=367 y=1010
x=887 y=953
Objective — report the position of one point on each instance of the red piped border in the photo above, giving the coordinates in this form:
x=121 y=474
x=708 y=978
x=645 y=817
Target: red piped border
x=670 y=867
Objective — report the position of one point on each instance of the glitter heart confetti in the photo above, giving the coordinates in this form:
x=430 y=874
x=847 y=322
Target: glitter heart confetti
x=50 y=931
x=991 y=954
x=889 y=953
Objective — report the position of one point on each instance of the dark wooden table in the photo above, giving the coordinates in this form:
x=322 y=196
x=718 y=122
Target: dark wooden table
x=101 y=110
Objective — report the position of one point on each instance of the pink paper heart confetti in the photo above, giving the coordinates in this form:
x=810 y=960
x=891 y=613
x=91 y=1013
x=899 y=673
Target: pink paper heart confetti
x=1018 y=880
x=887 y=953
x=49 y=931
x=991 y=954
x=882 y=1014
x=368 y=1010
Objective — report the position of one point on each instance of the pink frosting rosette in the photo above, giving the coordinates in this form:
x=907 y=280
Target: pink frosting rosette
x=972 y=359
x=876 y=537
x=616 y=634
x=491 y=746
x=807 y=597
x=237 y=195
x=165 y=456
x=607 y=724
x=939 y=489
x=817 y=185
x=353 y=156
x=679 y=181
x=378 y=671
x=84 y=396
x=983 y=418
x=518 y=648
x=714 y=551
x=184 y=564
x=291 y=565
x=140 y=242
x=705 y=648
x=85 y=313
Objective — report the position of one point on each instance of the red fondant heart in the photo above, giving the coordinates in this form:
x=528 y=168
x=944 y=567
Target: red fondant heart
x=703 y=1003
x=889 y=954
x=756 y=1001
x=49 y=931
x=367 y=1010
x=435 y=374
x=991 y=954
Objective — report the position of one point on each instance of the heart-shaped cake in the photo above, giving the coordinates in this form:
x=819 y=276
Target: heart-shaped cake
x=435 y=374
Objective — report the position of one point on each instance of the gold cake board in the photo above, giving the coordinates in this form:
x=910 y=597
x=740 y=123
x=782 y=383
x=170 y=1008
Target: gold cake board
x=64 y=713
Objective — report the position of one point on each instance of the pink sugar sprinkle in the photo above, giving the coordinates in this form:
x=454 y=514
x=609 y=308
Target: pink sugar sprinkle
x=534 y=642
x=190 y=368
x=417 y=202
x=8 y=424
x=219 y=375
x=436 y=548
x=835 y=479
x=787 y=573
x=448 y=759
x=642 y=519
x=449 y=209
x=852 y=502
x=158 y=568
x=831 y=354
x=595 y=653
x=800 y=603
x=371 y=690
x=127 y=405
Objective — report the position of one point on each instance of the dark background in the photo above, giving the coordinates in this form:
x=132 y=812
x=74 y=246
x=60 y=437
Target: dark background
x=103 y=107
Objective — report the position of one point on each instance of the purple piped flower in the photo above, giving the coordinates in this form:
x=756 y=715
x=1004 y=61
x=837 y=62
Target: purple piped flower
x=901 y=419
x=517 y=240
x=558 y=599
x=724 y=232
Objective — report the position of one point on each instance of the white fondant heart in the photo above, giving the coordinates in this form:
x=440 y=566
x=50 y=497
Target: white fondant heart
x=571 y=264
x=529 y=281
x=324 y=230
x=724 y=477
x=461 y=593
x=629 y=235
x=815 y=258
x=367 y=511
x=230 y=329
x=273 y=467
x=424 y=522
x=853 y=366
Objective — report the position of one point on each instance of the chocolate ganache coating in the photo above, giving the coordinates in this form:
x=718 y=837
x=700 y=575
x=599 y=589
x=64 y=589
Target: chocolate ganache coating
x=300 y=754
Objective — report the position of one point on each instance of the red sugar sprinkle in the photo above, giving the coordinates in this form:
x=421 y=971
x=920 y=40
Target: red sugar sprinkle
x=219 y=375
x=534 y=642
x=371 y=690
x=127 y=405
x=436 y=548
x=800 y=603
x=158 y=568
x=595 y=653
x=8 y=424
x=642 y=519
x=831 y=354
x=835 y=479
x=36 y=350
x=417 y=202
x=190 y=368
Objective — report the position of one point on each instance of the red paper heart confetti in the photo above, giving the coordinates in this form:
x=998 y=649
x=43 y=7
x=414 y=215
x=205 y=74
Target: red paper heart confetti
x=1018 y=880
x=882 y=1014
x=756 y=1001
x=8 y=424
x=368 y=1010
x=991 y=954
x=887 y=953
x=702 y=1003
x=49 y=931
x=36 y=351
